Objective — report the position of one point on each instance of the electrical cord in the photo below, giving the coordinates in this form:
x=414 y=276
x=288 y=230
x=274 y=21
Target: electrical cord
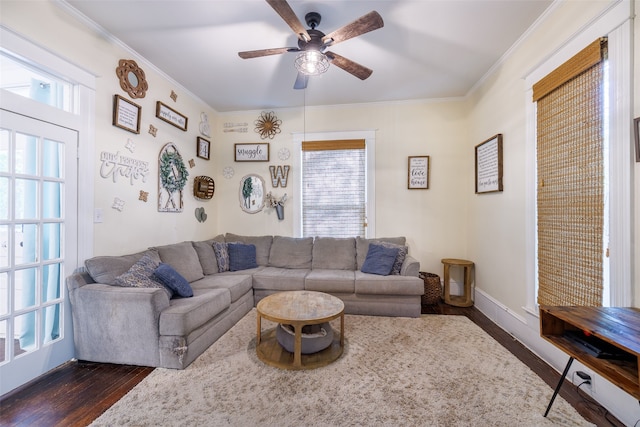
x=592 y=404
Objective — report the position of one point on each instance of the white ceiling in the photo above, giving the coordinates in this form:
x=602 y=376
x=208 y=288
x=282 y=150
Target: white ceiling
x=426 y=49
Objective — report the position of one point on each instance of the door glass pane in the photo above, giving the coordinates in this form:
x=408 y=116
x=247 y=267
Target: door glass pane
x=25 y=333
x=51 y=323
x=26 y=199
x=51 y=282
x=25 y=288
x=51 y=241
x=4 y=246
x=25 y=241
x=26 y=154
x=4 y=150
x=4 y=294
x=51 y=199
x=53 y=156
x=3 y=341
x=4 y=198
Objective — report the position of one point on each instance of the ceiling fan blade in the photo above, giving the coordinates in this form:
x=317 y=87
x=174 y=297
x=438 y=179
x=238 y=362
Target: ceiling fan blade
x=289 y=16
x=266 y=52
x=360 y=71
x=301 y=81
x=369 y=22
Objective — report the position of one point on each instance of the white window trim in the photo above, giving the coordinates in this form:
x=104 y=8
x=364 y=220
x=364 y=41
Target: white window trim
x=370 y=143
x=616 y=23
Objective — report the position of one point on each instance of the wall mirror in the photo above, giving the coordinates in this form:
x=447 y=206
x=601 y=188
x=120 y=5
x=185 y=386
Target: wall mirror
x=251 y=193
x=132 y=78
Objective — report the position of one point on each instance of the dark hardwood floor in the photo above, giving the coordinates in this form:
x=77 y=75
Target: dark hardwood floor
x=77 y=393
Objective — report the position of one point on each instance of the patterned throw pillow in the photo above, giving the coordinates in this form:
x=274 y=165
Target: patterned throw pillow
x=241 y=256
x=402 y=254
x=379 y=260
x=222 y=256
x=173 y=280
x=140 y=276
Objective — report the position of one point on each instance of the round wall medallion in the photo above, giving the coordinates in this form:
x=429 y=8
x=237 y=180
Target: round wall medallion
x=267 y=125
x=283 y=153
x=228 y=172
x=132 y=78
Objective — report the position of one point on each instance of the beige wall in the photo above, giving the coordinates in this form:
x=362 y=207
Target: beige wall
x=448 y=220
x=139 y=225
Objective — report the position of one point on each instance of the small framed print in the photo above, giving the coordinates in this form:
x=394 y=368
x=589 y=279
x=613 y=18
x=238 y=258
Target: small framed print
x=489 y=165
x=171 y=116
x=636 y=131
x=126 y=114
x=258 y=152
x=203 y=147
x=418 y=176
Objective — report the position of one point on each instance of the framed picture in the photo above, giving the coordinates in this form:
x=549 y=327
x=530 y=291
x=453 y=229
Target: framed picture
x=418 y=173
x=126 y=114
x=489 y=165
x=203 y=147
x=251 y=193
x=171 y=116
x=258 y=152
x=636 y=131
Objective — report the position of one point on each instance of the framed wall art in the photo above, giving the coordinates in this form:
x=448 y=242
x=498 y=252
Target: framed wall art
x=636 y=132
x=252 y=152
x=203 y=148
x=418 y=173
x=126 y=114
x=171 y=116
x=251 y=193
x=489 y=165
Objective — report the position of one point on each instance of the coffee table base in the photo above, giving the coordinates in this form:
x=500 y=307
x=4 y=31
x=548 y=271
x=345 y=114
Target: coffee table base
x=272 y=353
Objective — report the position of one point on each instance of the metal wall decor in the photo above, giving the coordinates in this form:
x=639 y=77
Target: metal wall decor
x=132 y=78
x=267 y=125
x=279 y=175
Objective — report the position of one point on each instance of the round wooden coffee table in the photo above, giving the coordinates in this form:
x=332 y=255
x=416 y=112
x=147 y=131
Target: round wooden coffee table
x=298 y=308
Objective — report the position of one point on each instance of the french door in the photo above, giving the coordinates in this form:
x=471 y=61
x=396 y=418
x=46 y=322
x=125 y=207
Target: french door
x=38 y=244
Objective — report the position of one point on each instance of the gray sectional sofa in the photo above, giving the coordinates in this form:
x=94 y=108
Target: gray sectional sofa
x=143 y=325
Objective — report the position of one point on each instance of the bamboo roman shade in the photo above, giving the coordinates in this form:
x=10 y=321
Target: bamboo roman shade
x=570 y=195
x=333 y=188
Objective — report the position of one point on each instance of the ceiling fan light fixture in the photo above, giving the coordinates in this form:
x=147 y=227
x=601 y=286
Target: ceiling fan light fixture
x=312 y=63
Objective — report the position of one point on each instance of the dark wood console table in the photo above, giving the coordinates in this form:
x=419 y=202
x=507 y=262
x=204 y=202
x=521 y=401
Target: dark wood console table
x=616 y=326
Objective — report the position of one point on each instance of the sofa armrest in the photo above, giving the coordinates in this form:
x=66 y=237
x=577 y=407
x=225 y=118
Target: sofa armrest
x=116 y=324
x=410 y=267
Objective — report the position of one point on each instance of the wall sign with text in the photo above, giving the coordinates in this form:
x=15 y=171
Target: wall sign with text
x=258 y=152
x=489 y=165
x=418 y=177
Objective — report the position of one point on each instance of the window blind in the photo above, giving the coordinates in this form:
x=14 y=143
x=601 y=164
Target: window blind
x=333 y=188
x=570 y=189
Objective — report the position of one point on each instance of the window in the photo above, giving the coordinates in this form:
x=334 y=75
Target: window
x=333 y=188
x=571 y=148
x=335 y=184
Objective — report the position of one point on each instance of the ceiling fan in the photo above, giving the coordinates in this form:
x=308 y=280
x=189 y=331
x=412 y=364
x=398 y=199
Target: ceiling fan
x=312 y=58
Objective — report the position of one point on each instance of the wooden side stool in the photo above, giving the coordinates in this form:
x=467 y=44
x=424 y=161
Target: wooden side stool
x=463 y=300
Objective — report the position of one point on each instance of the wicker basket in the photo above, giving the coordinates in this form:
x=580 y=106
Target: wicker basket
x=432 y=289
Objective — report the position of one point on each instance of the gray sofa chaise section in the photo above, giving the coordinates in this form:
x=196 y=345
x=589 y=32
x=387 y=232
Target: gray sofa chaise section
x=144 y=326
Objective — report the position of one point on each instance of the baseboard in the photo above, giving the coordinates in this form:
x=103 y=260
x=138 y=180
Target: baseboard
x=526 y=329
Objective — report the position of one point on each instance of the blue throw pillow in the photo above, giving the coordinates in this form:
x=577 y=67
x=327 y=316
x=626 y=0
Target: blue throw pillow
x=173 y=280
x=222 y=256
x=379 y=260
x=241 y=256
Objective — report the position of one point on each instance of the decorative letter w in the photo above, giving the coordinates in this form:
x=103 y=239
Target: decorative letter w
x=279 y=175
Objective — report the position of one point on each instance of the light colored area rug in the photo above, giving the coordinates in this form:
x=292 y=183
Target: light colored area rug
x=431 y=371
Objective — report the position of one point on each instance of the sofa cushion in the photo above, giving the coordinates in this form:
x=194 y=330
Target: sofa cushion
x=222 y=256
x=241 y=256
x=373 y=284
x=331 y=253
x=105 y=269
x=237 y=284
x=291 y=252
x=206 y=255
x=330 y=281
x=173 y=280
x=262 y=243
x=379 y=260
x=280 y=279
x=362 y=247
x=183 y=258
x=186 y=314
x=140 y=275
x=402 y=254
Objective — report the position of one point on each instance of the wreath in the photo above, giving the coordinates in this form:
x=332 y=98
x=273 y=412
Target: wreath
x=172 y=179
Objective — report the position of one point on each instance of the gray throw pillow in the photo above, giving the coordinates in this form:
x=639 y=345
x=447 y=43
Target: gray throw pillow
x=105 y=269
x=140 y=276
x=222 y=256
x=402 y=254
